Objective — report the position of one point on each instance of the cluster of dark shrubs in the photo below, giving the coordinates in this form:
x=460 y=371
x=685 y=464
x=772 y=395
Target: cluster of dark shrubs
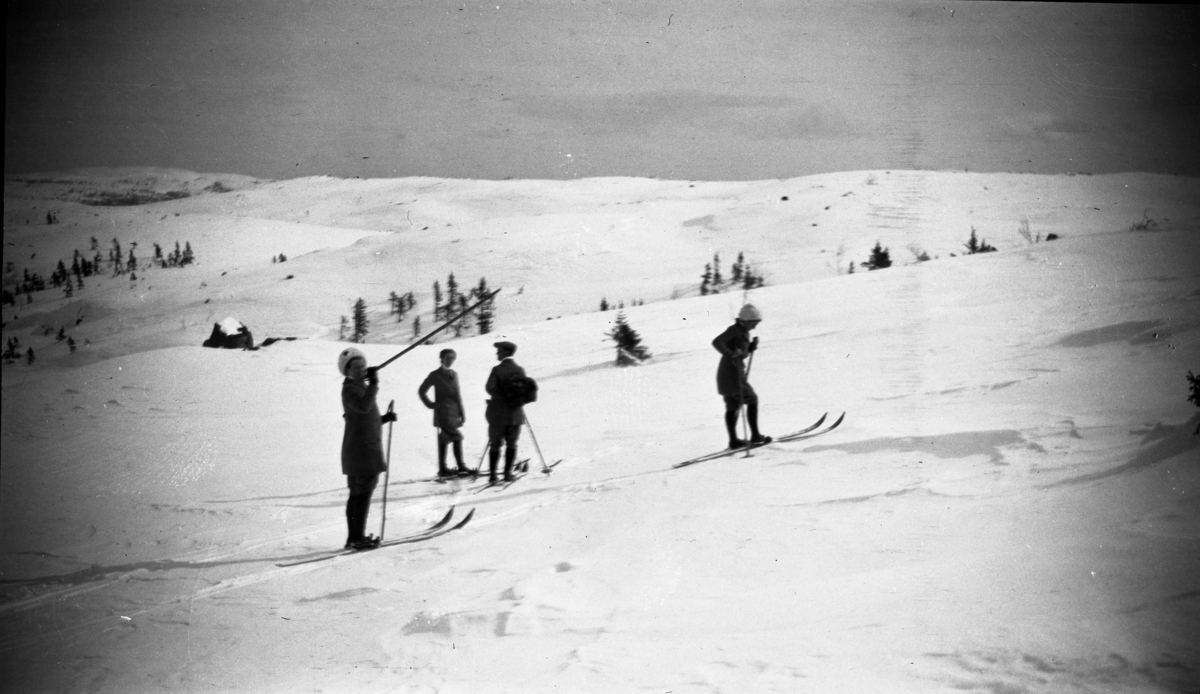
x=881 y=256
x=1194 y=394
x=605 y=306
x=70 y=279
x=447 y=304
x=12 y=352
x=741 y=276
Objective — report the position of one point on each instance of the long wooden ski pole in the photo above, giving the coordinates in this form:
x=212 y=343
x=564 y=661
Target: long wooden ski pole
x=742 y=397
x=486 y=297
x=386 y=472
x=545 y=468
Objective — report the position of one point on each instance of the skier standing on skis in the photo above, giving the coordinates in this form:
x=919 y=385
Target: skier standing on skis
x=504 y=417
x=362 y=443
x=735 y=346
x=448 y=412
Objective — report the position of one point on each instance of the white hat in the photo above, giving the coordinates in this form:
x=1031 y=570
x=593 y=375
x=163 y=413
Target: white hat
x=749 y=312
x=347 y=356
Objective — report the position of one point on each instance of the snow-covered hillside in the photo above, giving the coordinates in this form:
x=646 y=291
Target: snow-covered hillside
x=1010 y=505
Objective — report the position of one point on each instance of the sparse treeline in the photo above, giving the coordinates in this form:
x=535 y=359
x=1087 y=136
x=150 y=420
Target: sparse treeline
x=12 y=346
x=605 y=306
x=446 y=304
x=881 y=257
x=741 y=276
x=118 y=262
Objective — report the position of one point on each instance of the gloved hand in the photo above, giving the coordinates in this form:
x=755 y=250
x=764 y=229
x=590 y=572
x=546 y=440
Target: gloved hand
x=388 y=417
x=373 y=374
x=753 y=345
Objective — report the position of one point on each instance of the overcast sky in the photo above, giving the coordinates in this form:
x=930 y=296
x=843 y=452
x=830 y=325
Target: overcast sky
x=714 y=90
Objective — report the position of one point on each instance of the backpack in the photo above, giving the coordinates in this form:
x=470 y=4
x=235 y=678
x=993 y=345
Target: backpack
x=518 y=390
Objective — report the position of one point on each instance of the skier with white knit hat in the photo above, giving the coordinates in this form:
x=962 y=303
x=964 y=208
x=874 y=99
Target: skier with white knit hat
x=362 y=443
x=735 y=345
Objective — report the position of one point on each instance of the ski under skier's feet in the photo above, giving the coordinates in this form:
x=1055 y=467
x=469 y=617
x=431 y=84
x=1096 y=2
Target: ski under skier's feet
x=368 y=542
x=756 y=440
x=447 y=472
x=466 y=472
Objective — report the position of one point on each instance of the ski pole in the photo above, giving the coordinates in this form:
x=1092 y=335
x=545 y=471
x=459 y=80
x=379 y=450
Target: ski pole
x=386 y=472
x=479 y=465
x=443 y=326
x=545 y=468
x=742 y=397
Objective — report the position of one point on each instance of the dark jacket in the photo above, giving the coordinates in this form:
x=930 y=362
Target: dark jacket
x=362 y=442
x=447 y=401
x=499 y=411
x=731 y=372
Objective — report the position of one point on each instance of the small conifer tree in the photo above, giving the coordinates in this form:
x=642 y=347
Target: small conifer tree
x=487 y=310
x=977 y=245
x=880 y=258
x=361 y=323
x=630 y=350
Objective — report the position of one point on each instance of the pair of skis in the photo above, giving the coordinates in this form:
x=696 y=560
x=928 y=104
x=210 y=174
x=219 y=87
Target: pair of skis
x=805 y=433
x=521 y=469
x=436 y=530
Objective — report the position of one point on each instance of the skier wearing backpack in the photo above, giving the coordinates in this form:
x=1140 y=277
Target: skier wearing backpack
x=504 y=411
x=448 y=412
x=362 y=443
x=732 y=381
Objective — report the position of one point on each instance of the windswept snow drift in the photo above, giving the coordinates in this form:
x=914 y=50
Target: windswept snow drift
x=1009 y=505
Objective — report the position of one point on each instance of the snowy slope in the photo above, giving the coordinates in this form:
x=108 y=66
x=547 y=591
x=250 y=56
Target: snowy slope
x=1009 y=506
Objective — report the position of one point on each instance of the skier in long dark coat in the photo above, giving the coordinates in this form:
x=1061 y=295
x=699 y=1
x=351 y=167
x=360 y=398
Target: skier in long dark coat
x=362 y=443
x=504 y=419
x=732 y=381
x=448 y=412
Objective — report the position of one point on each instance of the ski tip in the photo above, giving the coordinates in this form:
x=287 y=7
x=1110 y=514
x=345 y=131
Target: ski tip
x=465 y=520
x=839 y=421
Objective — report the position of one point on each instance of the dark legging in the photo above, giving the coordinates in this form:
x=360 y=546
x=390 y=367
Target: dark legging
x=358 y=505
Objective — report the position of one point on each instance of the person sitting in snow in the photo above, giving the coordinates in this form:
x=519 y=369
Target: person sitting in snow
x=362 y=443
x=503 y=417
x=448 y=412
x=732 y=380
